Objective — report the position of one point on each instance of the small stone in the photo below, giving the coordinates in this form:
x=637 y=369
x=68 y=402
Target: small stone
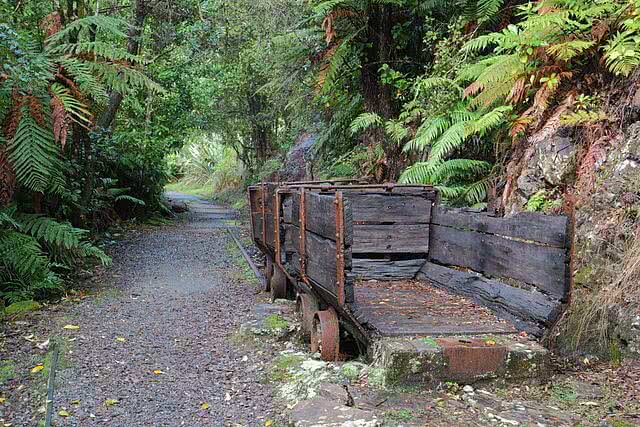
x=467 y=389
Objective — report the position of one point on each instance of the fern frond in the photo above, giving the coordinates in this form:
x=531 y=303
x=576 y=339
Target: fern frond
x=82 y=74
x=459 y=170
x=72 y=105
x=130 y=199
x=396 y=131
x=124 y=79
x=33 y=154
x=365 y=121
x=489 y=121
x=419 y=173
x=100 y=49
x=111 y=25
x=451 y=139
x=622 y=53
x=428 y=132
x=569 y=50
x=21 y=253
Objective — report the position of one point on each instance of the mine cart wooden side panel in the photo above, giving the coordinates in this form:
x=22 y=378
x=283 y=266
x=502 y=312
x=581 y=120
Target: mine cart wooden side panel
x=390 y=233
x=518 y=266
x=261 y=201
x=313 y=241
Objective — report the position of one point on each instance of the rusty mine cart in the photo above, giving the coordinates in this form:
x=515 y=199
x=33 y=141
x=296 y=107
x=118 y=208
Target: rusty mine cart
x=400 y=274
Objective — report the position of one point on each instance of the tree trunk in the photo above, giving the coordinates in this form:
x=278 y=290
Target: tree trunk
x=377 y=96
x=133 y=47
x=260 y=132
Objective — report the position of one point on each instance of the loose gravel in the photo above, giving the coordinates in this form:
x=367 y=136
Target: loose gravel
x=156 y=347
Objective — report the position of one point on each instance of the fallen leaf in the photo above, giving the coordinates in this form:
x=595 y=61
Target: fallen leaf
x=64 y=413
x=43 y=345
x=204 y=406
x=227 y=397
x=75 y=402
x=39 y=367
x=490 y=342
x=268 y=423
x=121 y=339
x=111 y=402
x=2 y=400
x=158 y=372
x=71 y=327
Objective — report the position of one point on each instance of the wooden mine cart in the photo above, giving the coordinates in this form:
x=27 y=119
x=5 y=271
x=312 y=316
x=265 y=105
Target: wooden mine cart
x=389 y=261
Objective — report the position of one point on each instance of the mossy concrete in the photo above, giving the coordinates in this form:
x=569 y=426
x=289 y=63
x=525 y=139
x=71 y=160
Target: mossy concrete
x=425 y=361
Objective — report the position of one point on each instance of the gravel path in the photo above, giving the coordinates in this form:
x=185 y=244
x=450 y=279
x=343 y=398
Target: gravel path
x=156 y=348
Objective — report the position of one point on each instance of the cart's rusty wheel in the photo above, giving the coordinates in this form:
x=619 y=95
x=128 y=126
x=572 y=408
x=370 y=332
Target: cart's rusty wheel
x=268 y=273
x=278 y=284
x=307 y=306
x=325 y=335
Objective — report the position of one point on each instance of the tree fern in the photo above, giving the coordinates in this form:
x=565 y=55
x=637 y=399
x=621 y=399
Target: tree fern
x=108 y=24
x=33 y=154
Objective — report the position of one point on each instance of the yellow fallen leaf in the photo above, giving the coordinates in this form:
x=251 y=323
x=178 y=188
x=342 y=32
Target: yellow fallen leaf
x=75 y=402
x=111 y=402
x=39 y=367
x=158 y=372
x=490 y=342
x=121 y=339
x=2 y=400
x=205 y=406
x=71 y=327
x=64 y=413
x=268 y=423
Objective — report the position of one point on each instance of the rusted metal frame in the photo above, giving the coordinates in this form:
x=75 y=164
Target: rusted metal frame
x=287 y=183
x=251 y=209
x=386 y=187
x=276 y=228
x=264 y=214
x=303 y=237
x=339 y=202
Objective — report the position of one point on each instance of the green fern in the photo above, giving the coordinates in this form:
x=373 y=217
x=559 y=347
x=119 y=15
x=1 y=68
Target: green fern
x=34 y=155
x=110 y=25
x=365 y=121
x=130 y=199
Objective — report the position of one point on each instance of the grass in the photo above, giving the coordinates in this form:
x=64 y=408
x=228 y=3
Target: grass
x=245 y=272
x=201 y=190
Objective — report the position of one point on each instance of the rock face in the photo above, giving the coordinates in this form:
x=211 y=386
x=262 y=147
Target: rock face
x=298 y=163
x=602 y=172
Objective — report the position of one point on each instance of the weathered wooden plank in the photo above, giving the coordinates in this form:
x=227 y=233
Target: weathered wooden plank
x=321 y=261
x=390 y=238
x=529 y=310
x=287 y=208
x=291 y=241
x=542 y=266
x=320 y=215
x=257 y=226
x=545 y=229
x=295 y=209
x=389 y=208
x=270 y=230
x=374 y=268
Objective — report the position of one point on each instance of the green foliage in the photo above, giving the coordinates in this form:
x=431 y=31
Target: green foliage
x=32 y=248
x=35 y=157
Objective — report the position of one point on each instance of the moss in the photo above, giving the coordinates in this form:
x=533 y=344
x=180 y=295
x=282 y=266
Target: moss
x=377 y=377
x=430 y=342
x=564 y=393
x=275 y=321
x=620 y=423
x=281 y=369
x=21 y=307
x=396 y=415
x=352 y=371
x=7 y=371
